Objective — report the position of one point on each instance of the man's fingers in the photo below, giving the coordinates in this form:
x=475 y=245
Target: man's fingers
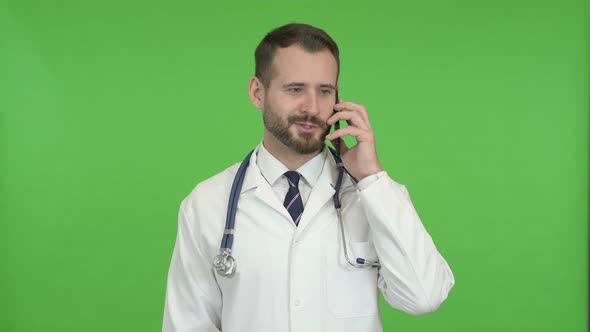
x=347 y=131
x=352 y=117
x=356 y=108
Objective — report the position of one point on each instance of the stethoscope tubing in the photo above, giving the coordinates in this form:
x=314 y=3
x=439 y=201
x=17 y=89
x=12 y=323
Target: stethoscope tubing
x=232 y=206
x=224 y=262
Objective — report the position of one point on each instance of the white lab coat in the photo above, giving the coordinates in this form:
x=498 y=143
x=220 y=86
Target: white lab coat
x=296 y=279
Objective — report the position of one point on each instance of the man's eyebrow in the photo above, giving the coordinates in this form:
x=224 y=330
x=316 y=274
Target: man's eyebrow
x=293 y=84
x=299 y=84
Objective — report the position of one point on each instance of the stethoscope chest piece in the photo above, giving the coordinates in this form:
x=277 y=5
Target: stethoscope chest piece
x=224 y=263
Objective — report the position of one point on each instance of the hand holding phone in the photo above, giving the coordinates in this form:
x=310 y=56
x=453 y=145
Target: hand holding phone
x=360 y=159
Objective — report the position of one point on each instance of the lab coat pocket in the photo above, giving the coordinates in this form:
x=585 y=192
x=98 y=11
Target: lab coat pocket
x=351 y=291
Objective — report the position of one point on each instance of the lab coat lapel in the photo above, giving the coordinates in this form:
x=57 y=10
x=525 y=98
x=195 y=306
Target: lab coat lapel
x=263 y=191
x=322 y=192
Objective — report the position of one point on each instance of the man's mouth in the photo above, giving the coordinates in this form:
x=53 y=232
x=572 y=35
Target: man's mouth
x=306 y=127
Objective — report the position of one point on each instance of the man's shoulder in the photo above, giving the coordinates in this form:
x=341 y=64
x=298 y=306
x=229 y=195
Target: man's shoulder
x=213 y=192
x=215 y=185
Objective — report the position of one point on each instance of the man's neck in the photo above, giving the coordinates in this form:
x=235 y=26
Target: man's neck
x=291 y=159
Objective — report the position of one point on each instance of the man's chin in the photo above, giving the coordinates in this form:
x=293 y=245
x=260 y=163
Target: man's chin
x=307 y=146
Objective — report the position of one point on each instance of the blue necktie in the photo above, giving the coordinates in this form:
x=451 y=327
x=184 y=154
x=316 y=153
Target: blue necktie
x=293 y=202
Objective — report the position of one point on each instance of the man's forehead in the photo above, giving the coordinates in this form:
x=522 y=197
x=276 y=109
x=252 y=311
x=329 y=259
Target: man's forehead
x=295 y=80
x=296 y=64
x=296 y=51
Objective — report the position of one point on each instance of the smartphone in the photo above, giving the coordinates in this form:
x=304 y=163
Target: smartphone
x=336 y=127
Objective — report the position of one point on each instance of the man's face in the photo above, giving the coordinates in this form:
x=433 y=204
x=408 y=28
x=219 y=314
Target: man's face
x=300 y=98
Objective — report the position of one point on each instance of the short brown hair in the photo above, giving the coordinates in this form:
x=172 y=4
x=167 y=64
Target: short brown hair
x=310 y=38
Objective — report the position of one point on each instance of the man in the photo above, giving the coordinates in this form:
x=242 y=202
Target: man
x=292 y=272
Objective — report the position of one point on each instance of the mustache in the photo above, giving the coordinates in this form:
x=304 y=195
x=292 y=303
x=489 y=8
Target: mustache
x=307 y=118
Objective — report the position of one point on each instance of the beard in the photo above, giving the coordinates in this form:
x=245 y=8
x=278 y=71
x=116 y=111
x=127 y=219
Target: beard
x=302 y=143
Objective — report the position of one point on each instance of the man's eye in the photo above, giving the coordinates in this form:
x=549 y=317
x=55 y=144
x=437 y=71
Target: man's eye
x=295 y=90
x=325 y=91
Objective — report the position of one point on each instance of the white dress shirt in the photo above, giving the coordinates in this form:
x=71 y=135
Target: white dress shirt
x=274 y=173
x=295 y=278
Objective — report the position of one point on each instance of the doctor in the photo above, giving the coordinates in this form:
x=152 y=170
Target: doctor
x=291 y=269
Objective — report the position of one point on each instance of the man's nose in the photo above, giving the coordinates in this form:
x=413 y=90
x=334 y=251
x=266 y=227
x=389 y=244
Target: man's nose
x=312 y=104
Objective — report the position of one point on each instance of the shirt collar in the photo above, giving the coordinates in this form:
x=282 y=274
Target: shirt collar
x=272 y=169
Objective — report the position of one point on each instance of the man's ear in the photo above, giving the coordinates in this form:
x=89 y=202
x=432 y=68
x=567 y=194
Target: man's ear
x=256 y=92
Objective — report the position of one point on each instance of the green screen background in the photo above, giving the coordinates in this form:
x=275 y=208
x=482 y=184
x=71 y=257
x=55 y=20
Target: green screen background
x=111 y=112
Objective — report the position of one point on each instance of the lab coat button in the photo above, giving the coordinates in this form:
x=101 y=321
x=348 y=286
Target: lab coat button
x=297 y=303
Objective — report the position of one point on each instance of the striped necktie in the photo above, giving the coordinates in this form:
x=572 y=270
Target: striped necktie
x=293 y=202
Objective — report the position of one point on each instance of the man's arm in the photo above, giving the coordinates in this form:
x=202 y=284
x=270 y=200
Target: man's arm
x=193 y=299
x=413 y=277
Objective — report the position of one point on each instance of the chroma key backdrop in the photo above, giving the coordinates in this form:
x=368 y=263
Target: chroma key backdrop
x=112 y=111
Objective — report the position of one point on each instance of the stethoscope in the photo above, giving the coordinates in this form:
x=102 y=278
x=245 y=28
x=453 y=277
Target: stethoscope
x=225 y=263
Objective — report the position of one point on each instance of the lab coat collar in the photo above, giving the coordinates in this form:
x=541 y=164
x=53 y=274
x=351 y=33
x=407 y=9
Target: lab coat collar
x=253 y=180
x=322 y=192
x=254 y=176
x=272 y=169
